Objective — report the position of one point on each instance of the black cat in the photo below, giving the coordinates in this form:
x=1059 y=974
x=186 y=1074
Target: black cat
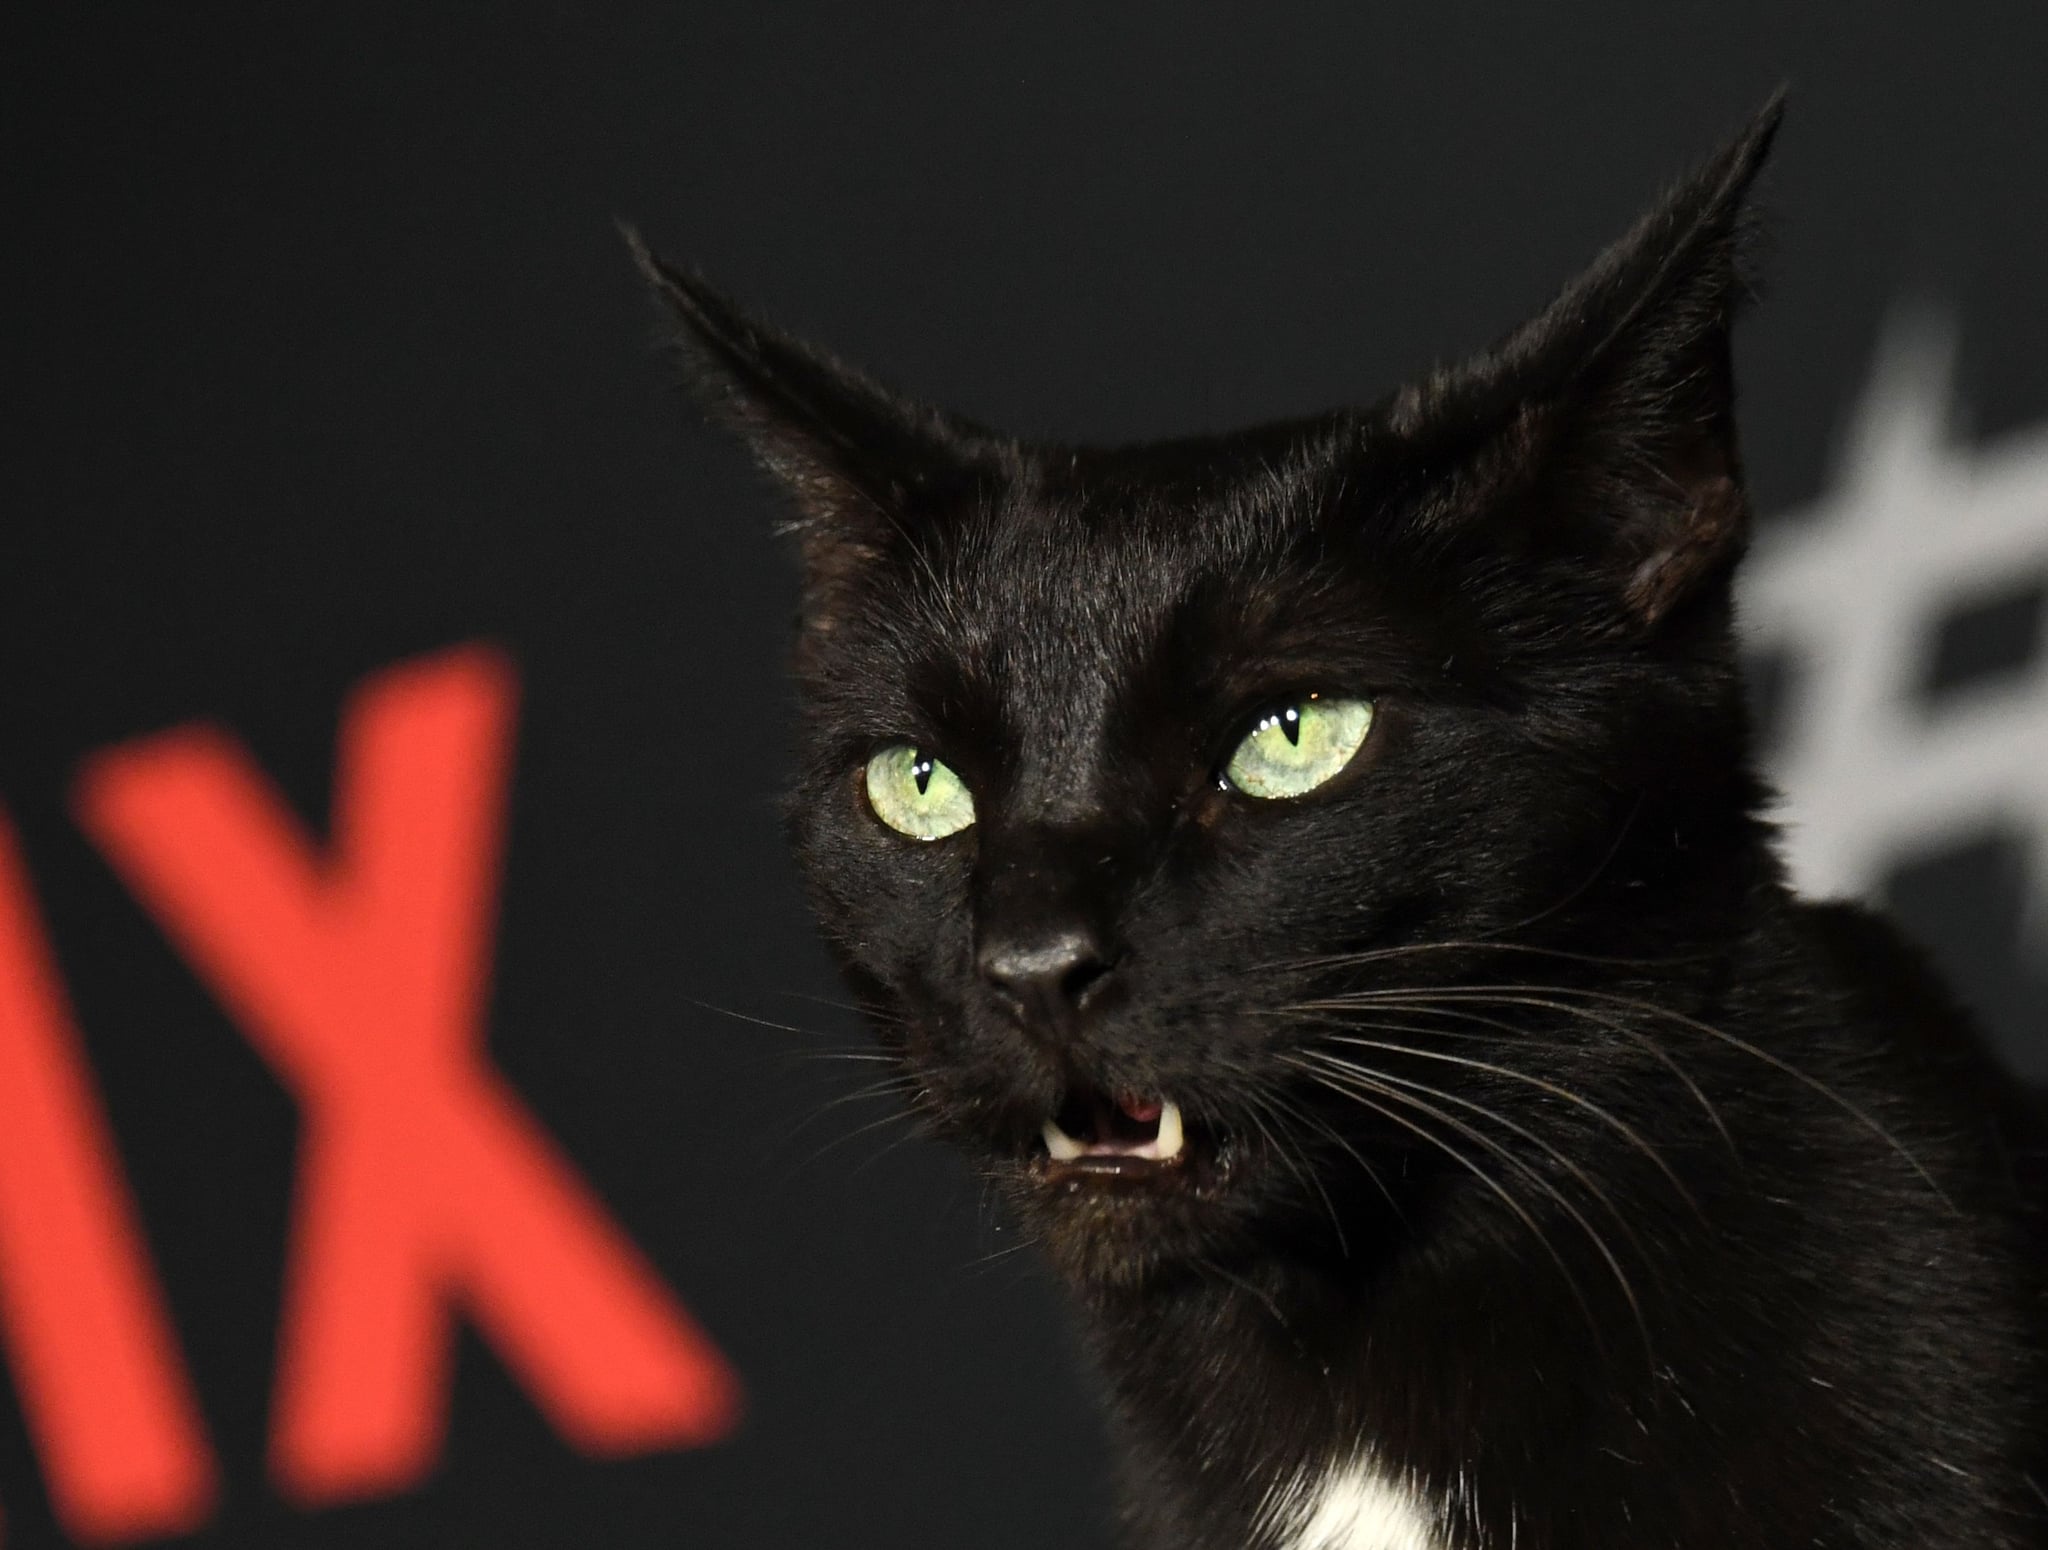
x=1320 y=875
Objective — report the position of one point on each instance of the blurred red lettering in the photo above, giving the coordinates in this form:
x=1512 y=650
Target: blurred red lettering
x=96 y=1365
x=360 y=974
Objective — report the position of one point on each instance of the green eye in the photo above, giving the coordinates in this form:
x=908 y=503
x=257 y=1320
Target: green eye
x=916 y=795
x=1295 y=749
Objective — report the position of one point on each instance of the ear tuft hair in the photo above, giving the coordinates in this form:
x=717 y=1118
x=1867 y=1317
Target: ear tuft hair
x=1677 y=277
x=865 y=466
x=1617 y=401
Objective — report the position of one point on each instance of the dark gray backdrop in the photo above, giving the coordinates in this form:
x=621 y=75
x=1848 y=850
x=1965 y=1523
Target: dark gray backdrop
x=324 y=352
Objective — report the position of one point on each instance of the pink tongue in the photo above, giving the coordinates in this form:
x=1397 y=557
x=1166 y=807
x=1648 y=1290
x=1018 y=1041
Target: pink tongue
x=1143 y=1110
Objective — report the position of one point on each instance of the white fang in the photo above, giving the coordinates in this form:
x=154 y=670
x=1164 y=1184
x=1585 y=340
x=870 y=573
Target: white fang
x=1352 y=1507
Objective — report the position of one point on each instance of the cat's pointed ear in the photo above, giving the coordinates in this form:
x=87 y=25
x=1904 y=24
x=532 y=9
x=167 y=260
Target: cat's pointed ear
x=1625 y=391
x=864 y=466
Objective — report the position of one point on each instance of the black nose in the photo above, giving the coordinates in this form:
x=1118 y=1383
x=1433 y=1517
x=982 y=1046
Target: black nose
x=1047 y=975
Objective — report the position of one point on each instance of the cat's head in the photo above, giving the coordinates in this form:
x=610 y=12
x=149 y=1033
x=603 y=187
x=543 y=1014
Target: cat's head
x=1145 y=792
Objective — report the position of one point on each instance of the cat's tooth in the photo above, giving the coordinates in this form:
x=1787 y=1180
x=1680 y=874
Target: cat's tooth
x=1062 y=1147
x=1171 y=1137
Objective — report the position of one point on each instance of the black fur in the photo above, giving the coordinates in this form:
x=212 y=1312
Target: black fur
x=1661 y=1208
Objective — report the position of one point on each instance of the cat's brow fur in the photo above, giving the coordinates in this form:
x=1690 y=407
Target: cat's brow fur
x=1552 y=1157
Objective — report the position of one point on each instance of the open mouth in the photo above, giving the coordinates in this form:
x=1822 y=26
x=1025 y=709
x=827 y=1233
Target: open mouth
x=1125 y=1135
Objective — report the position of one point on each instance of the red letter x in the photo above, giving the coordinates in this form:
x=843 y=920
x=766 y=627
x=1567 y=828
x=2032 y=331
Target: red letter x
x=360 y=976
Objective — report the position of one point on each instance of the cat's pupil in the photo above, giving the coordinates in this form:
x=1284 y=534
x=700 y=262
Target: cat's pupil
x=1290 y=723
x=921 y=771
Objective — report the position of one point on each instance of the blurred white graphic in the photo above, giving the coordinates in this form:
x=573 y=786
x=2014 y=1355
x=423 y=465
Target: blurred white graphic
x=1861 y=594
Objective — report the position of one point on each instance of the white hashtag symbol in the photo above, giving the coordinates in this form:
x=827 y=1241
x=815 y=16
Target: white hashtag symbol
x=1851 y=591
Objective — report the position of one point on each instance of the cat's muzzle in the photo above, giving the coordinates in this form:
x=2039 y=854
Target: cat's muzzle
x=1125 y=1136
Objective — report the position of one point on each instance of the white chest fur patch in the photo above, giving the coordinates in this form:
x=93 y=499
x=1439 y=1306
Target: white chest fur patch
x=1352 y=1507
